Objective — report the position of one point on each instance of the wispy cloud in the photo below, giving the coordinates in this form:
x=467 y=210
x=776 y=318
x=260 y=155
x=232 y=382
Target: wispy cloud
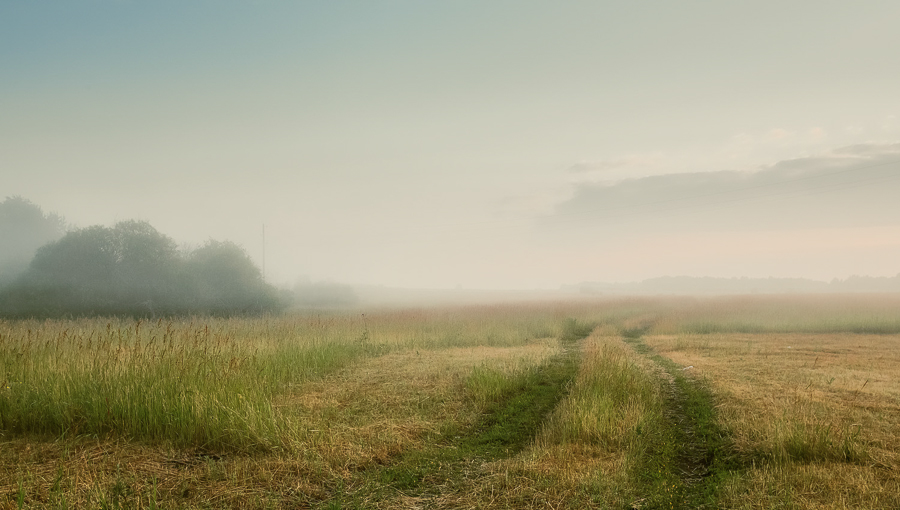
x=851 y=186
x=606 y=165
x=615 y=169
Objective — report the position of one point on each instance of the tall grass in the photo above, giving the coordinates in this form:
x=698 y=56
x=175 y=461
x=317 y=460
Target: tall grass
x=487 y=384
x=204 y=384
x=209 y=382
x=812 y=417
x=830 y=313
x=614 y=403
x=862 y=313
x=333 y=396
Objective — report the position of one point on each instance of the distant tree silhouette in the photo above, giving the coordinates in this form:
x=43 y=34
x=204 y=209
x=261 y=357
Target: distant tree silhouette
x=133 y=269
x=225 y=278
x=24 y=227
x=78 y=270
x=147 y=264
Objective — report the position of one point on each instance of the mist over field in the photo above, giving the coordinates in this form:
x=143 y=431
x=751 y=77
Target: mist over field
x=355 y=149
x=127 y=269
x=50 y=270
x=460 y=254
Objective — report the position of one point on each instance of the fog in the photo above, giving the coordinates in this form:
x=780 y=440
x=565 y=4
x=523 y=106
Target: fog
x=356 y=149
x=24 y=227
x=133 y=269
x=845 y=188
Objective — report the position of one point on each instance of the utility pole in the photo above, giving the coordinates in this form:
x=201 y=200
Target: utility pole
x=264 y=253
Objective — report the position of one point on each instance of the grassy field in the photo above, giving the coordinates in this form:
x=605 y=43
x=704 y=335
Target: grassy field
x=790 y=402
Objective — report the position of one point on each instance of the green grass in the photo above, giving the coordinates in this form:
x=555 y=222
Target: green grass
x=211 y=382
x=614 y=404
x=815 y=314
x=808 y=443
x=184 y=384
x=697 y=457
x=514 y=406
x=755 y=314
x=507 y=426
x=303 y=410
x=573 y=329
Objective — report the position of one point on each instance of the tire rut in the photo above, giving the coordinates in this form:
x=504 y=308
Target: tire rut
x=688 y=412
x=504 y=430
x=694 y=459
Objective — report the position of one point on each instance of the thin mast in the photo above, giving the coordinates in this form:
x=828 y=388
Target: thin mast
x=264 y=253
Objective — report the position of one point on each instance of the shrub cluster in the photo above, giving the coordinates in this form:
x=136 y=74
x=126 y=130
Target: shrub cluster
x=24 y=228
x=132 y=269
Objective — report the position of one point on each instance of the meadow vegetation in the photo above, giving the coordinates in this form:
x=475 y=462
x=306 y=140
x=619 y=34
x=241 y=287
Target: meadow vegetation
x=791 y=402
x=131 y=269
x=813 y=418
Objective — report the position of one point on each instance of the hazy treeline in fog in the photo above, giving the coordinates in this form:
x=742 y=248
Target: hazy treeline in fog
x=308 y=294
x=712 y=286
x=127 y=269
x=24 y=228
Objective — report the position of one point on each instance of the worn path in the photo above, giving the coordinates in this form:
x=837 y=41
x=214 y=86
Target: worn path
x=506 y=427
x=702 y=455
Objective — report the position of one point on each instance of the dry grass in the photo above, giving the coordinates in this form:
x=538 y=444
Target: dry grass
x=405 y=384
x=589 y=448
x=355 y=419
x=376 y=409
x=813 y=408
x=814 y=417
x=91 y=473
x=825 y=313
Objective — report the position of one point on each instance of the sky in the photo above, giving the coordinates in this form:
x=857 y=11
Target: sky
x=475 y=144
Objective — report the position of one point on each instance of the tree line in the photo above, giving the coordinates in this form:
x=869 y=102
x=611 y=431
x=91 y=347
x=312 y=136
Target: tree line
x=127 y=269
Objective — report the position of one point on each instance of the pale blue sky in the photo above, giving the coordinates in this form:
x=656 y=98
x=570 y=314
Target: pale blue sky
x=431 y=144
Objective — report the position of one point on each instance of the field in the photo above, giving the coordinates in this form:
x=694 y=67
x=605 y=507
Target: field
x=740 y=402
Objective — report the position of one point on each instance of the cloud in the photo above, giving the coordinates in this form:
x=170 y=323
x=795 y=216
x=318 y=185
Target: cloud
x=518 y=206
x=779 y=134
x=594 y=166
x=868 y=150
x=616 y=169
x=817 y=134
x=614 y=164
x=848 y=187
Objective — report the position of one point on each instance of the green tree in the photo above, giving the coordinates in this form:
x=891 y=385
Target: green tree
x=226 y=280
x=128 y=268
x=147 y=265
x=82 y=264
x=24 y=227
x=133 y=269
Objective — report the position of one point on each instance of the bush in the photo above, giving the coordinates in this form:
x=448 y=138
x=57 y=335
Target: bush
x=24 y=227
x=132 y=269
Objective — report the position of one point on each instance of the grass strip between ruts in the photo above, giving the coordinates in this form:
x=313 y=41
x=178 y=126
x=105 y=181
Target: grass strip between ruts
x=507 y=426
x=689 y=474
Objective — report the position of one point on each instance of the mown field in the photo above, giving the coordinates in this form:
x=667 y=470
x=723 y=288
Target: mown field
x=740 y=402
